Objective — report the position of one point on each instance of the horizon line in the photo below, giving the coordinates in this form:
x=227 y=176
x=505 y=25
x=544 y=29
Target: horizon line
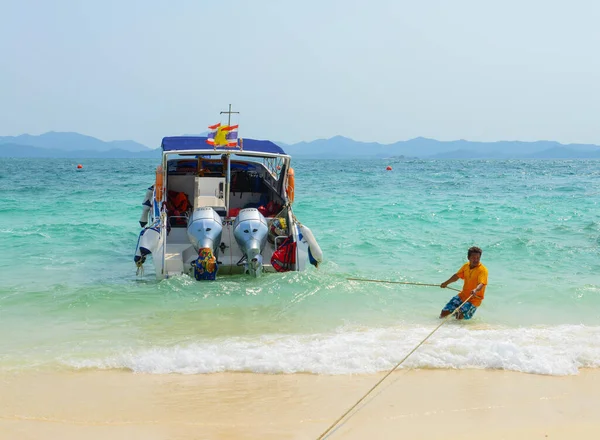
x=317 y=139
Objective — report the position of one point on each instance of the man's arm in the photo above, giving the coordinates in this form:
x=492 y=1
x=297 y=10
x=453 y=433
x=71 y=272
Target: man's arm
x=476 y=290
x=452 y=279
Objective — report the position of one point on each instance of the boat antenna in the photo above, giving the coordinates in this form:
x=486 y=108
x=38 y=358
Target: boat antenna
x=229 y=113
x=228 y=175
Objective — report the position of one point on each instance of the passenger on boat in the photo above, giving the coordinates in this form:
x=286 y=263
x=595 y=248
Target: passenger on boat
x=177 y=206
x=475 y=276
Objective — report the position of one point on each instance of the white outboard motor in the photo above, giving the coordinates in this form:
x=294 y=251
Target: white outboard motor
x=204 y=229
x=250 y=231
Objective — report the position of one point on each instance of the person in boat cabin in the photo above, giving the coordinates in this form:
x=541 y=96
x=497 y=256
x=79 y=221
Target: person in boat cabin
x=475 y=276
x=177 y=204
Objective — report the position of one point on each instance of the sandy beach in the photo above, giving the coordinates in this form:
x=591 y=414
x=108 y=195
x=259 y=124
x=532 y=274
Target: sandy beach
x=414 y=404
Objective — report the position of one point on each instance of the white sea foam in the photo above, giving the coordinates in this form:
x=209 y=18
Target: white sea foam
x=560 y=350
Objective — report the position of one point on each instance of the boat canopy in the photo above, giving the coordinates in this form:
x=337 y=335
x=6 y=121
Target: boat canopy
x=194 y=143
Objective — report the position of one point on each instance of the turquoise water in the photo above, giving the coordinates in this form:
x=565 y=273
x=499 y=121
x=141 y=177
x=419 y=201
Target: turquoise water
x=70 y=299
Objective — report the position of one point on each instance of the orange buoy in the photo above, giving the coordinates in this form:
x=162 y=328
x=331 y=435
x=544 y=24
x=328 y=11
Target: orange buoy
x=290 y=185
x=79 y=166
x=389 y=168
x=158 y=185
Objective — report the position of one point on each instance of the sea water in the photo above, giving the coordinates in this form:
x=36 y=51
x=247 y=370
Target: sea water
x=70 y=297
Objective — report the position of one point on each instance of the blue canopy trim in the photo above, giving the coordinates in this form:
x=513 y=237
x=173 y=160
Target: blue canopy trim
x=182 y=143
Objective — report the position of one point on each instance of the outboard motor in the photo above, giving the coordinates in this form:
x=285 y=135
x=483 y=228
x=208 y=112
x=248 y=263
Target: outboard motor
x=250 y=231
x=204 y=232
x=204 y=229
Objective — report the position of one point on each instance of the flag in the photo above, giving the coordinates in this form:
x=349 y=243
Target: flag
x=222 y=135
x=212 y=133
x=231 y=136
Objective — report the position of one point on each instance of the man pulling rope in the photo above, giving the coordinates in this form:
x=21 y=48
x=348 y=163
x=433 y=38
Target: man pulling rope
x=475 y=276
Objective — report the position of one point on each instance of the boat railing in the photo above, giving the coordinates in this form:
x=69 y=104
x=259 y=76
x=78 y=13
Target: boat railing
x=282 y=237
x=183 y=217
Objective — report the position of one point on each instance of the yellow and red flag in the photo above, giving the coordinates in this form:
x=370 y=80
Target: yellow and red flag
x=222 y=135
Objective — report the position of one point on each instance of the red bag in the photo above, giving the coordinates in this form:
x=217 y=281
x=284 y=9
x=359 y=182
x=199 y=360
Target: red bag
x=284 y=258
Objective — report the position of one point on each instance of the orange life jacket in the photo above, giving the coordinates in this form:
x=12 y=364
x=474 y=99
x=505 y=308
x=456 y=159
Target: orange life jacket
x=178 y=201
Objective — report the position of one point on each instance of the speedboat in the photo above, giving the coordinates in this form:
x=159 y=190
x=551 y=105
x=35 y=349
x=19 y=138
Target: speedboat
x=223 y=205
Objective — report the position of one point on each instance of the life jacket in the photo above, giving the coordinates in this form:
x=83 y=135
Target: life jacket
x=284 y=257
x=178 y=201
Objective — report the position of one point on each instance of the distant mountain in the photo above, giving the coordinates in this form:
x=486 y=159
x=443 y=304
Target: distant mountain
x=74 y=145
x=424 y=148
x=15 y=150
x=68 y=141
x=567 y=153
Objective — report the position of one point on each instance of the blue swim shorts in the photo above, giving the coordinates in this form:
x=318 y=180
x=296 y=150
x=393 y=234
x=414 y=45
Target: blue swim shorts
x=467 y=309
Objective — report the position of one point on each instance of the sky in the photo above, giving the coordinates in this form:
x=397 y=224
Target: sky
x=375 y=70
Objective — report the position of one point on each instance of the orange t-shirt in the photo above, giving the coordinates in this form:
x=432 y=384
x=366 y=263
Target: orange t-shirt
x=473 y=277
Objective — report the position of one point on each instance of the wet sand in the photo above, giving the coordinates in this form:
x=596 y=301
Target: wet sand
x=414 y=404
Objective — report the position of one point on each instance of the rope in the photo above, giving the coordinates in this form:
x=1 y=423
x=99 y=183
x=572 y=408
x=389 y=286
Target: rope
x=139 y=264
x=400 y=282
x=283 y=209
x=140 y=269
x=391 y=371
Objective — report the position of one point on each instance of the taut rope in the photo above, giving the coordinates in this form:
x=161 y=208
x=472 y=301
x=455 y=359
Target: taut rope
x=399 y=282
x=391 y=371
